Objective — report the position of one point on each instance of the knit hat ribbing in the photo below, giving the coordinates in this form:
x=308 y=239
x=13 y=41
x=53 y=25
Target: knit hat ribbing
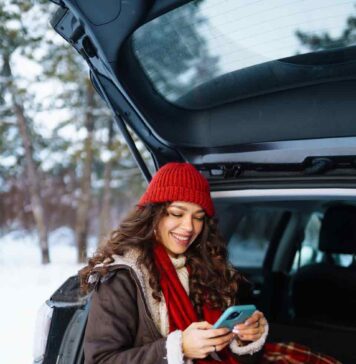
x=179 y=182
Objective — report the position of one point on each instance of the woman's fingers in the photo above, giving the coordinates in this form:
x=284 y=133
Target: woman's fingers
x=212 y=333
x=252 y=329
x=202 y=325
x=256 y=320
x=259 y=326
x=217 y=339
x=256 y=316
x=220 y=342
x=224 y=344
x=199 y=340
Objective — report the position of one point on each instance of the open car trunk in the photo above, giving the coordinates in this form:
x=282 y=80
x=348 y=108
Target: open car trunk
x=276 y=134
x=289 y=117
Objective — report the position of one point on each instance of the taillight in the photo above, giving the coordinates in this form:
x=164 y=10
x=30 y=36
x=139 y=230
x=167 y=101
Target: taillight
x=43 y=322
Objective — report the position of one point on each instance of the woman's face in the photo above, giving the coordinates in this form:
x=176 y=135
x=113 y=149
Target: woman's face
x=179 y=228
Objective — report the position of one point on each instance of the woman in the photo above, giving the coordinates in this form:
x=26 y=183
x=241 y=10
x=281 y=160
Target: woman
x=162 y=279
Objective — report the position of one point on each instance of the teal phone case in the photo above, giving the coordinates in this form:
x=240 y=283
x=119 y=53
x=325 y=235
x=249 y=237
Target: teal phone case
x=234 y=315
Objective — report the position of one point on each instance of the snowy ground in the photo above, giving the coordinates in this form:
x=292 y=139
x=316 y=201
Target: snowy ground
x=25 y=284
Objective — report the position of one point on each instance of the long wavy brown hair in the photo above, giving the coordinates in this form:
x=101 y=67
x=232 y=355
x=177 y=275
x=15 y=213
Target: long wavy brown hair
x=212 y=279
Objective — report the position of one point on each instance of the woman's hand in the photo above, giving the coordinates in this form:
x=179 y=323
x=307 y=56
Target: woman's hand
x=199 y=340
x=252 y=329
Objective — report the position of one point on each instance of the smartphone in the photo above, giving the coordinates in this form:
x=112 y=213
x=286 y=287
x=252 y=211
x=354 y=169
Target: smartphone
x=234 y=315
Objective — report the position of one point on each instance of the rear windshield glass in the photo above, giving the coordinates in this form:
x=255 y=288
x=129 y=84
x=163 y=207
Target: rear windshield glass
x=204 y=39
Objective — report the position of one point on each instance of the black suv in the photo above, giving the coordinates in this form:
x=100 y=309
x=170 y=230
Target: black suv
x=262 y=103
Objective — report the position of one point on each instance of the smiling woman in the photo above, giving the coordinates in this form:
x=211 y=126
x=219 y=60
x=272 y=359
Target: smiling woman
x=162 y=280
x=179 y=228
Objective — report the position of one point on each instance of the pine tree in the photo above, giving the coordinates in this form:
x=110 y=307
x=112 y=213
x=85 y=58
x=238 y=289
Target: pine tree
x=88 y=116
x=325 y=41
x=16 y=37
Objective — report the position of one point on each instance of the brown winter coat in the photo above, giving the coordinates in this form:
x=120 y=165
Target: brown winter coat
x=120 y=329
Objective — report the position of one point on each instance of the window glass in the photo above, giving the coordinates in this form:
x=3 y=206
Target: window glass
x=248 y=244
x=204 y=39
x=310 y=253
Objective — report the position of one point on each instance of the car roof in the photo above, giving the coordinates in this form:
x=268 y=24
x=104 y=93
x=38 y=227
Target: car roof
x=284 y=111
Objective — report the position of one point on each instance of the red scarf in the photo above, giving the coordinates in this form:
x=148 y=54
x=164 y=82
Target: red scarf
x=181 y=312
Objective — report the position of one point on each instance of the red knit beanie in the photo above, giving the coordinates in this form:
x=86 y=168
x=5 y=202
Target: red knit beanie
x=179 y=182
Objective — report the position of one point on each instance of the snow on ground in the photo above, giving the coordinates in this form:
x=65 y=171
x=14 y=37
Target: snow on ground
x=26 y=284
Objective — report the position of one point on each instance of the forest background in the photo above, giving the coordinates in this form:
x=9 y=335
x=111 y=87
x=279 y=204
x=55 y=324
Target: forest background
x=62 y=163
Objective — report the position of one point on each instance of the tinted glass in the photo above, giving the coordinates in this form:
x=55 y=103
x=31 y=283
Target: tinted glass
x=248 y=244
x=197 y=42
x=310 y=253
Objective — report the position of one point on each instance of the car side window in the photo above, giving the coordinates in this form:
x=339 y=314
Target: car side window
x=309 y=252
x=248 y=244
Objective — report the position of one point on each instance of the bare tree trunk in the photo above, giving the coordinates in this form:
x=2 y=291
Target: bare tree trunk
x=105 y=215
x=84 y=202
x=32 y=172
